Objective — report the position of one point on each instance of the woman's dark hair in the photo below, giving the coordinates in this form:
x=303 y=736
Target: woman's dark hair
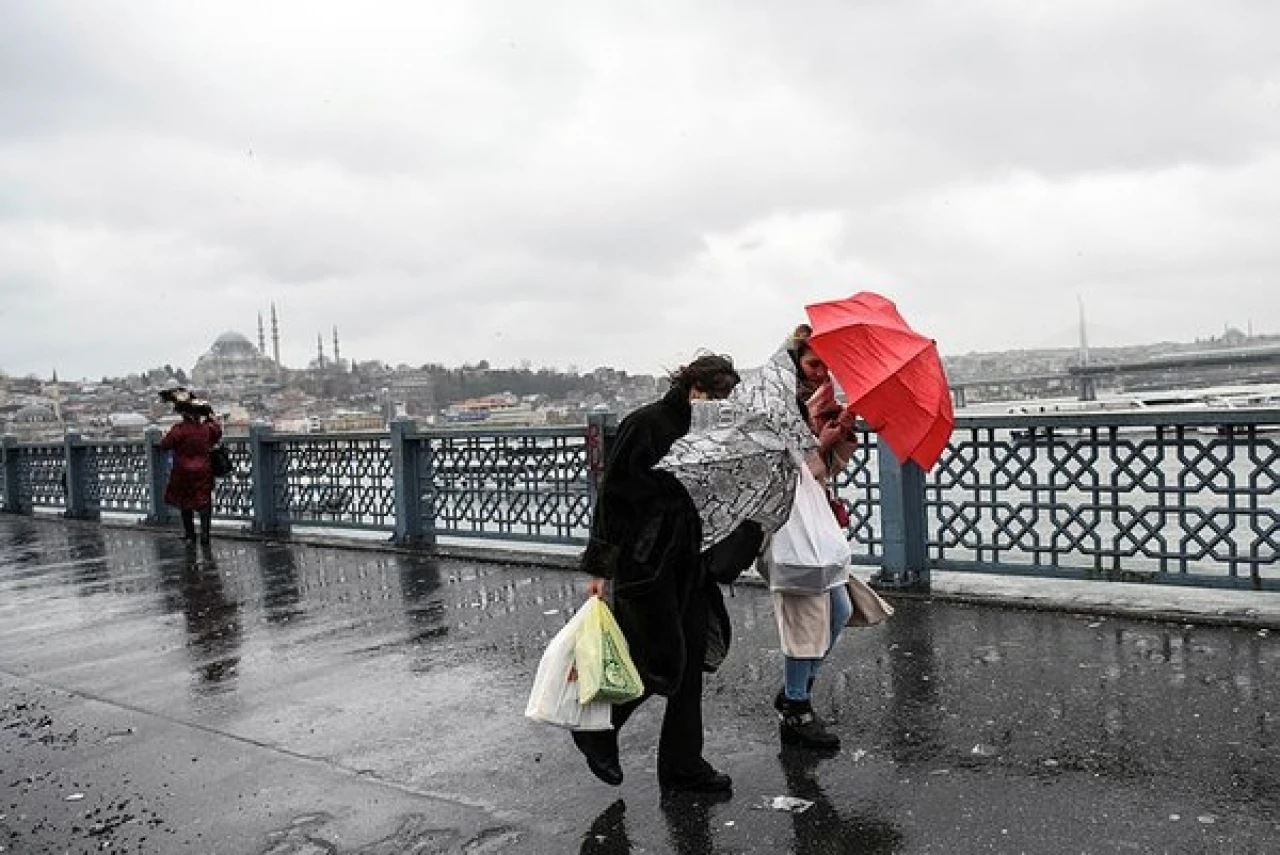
x=713 y=373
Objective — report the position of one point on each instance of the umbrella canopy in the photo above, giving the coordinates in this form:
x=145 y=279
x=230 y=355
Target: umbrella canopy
x=892 y=375
x=737 y=461
x=734 y=474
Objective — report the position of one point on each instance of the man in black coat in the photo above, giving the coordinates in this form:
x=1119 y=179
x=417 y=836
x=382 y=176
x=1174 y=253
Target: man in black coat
x=645 y=540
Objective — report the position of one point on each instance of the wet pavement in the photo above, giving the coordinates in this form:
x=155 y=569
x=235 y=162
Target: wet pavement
x=255 y=697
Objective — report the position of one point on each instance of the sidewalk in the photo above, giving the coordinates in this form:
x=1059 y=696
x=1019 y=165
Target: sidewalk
x=1162 y=602
x=290 y=698
x=1121 y=599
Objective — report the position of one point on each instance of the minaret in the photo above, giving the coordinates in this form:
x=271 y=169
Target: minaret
x=337 y=353
x=262 y=339
x=275 y=336
x=320 y=350
x=57 y=399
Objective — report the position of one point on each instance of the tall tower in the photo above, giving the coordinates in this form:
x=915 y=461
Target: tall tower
x=57 y=400
x=320 y=350
x=275 y=336
x=1084 y=340
x=337 y=353
x=1088 y=384
x=262 y=339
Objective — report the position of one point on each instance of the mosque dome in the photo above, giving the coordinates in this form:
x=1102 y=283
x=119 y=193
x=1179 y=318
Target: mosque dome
x=232 y=343
x=34 y=414
x=35 y=423
x=233 y=363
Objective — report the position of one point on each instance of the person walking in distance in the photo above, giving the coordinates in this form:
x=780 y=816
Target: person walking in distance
x=190 y=487
x=645 y=545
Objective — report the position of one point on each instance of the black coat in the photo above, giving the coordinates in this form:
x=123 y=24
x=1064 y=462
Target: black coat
x=645 y=537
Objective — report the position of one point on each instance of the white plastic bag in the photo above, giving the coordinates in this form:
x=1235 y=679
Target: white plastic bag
x=809 y=554
x=554 y=697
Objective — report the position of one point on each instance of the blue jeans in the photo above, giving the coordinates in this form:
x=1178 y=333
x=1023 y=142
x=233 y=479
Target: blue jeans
x=800 y=673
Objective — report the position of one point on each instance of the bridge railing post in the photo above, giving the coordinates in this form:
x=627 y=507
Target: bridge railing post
x=12 y=475
x=267 y=516
x=158 y=463
x=77 y=479
x=904 y=564
x=600 y=427
x=407 y=466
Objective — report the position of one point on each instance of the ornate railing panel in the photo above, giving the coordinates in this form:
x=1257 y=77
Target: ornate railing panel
x=42 y=475
x=1188 y=497
x=531 y=484
x=858 y=487
x=233 y=493
x=117 y=476
x=335 y=481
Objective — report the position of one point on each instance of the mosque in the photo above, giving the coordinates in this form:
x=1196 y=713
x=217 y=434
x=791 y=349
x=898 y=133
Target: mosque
x=234 y=372
x=233 y=366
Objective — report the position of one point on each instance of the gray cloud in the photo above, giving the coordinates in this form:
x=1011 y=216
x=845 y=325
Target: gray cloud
x=588 y=183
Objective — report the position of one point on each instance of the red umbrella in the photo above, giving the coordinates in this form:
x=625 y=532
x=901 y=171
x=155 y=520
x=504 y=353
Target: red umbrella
x=891 y=375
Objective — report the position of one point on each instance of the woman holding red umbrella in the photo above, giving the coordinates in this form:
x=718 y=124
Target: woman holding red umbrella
x=810 y=624
x=764 y=456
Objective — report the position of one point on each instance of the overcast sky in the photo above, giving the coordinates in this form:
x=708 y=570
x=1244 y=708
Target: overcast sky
x=619 y=184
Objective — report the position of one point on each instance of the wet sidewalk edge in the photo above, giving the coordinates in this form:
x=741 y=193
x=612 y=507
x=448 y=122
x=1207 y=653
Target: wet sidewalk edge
x=1163 y=602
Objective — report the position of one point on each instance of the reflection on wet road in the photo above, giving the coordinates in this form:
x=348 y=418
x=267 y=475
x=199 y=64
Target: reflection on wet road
x=966 y=729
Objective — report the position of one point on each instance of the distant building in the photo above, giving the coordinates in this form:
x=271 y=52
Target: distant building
x=494 y=411
x=126 y=425
x=353 y=422
x=414 y=389
x=35 y=423
x=233 y=366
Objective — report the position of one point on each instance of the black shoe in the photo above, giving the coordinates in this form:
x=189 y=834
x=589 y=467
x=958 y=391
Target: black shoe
x=799 y=725
x=704 y=779
x=600 y=747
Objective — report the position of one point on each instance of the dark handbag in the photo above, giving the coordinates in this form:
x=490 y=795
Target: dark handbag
x=726 y=560
x=220 y=461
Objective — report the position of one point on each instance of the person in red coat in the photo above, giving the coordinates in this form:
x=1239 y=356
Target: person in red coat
x=190 y=487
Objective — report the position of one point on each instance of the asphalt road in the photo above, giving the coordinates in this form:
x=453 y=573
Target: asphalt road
x=269 y=698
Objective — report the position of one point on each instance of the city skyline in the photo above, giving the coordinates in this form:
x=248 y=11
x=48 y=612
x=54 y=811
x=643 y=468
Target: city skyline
x=569 y=367
x=610 y=184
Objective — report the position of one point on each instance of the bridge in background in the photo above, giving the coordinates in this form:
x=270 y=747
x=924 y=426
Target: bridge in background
x=1198 y=368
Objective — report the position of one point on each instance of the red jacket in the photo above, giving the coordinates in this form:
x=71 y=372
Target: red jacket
x=191 y=478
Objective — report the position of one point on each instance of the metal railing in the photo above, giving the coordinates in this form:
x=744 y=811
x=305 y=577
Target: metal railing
x=1191 y=497
x=531 y=485
x=1182 y=497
